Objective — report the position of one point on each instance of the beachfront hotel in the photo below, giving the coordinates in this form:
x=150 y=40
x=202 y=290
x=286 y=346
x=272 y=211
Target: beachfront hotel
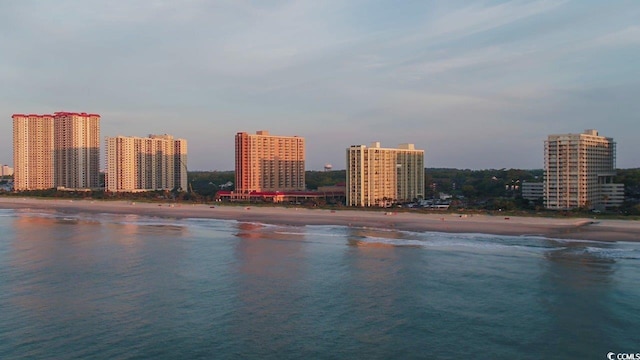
x=76 y=150
x=579 y=172
x=379 y=176
x=267 y=163
x=157 y=162
x=32 y=152
x=60 y=150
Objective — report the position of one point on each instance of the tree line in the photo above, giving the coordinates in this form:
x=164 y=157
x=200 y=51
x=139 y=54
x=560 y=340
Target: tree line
x=487 y=189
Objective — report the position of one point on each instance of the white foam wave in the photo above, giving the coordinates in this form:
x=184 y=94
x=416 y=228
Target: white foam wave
x=448 y=243
x=614 y=253
x=305 y=233
x=150 y=223
x=570 y=241
x=124 y=219
x=262 y=225
x=210 y=223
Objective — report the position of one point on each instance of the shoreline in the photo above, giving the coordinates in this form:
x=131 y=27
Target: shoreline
x=555 y=228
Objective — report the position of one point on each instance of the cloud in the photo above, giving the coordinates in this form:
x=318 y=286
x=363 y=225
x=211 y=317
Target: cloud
x=478 y=17
x=629 y=36
x=327 y=70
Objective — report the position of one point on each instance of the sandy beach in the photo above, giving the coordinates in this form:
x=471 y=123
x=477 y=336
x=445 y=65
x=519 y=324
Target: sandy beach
x=561 y=228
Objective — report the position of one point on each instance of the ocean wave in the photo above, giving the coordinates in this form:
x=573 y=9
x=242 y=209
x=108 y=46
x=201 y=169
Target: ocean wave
x=37 y=213
x=124 y=219
x=207 y=220
x=260 y=224
x=155 y=223
x=306 y=233
x=332 y=228
x=571 y=241
x=447 y=243
x=613 y=253
x=210 y=224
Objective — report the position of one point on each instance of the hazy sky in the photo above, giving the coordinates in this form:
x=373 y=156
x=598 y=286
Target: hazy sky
x=476 y=84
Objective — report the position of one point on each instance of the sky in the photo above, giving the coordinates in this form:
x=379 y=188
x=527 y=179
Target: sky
x=476 y=84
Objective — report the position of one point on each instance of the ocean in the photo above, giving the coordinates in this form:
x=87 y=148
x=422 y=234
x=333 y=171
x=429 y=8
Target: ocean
x=101 y=286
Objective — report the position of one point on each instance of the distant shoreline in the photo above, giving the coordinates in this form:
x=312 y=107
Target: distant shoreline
x=558 y=228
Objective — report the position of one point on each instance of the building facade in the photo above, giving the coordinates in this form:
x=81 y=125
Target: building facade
x=267 y=162
x=33 y=145
x=59 y=150
x=6 y=170
x=158 y=162
x=180 y=170
x=579 y=172
x=76 y=150
x=532 y=190
x=379 y=176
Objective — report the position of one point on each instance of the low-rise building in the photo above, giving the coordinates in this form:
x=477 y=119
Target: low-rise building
x=298 y=197
x=612 y=195
x=5 y=170
x=532 y=190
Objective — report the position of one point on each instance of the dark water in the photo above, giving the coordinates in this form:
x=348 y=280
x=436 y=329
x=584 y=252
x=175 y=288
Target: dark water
x=76 y=286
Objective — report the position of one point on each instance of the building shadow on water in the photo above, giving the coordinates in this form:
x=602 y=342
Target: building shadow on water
x=94 y=273
x=318 y=299
x=271 y=268
x=381 y=295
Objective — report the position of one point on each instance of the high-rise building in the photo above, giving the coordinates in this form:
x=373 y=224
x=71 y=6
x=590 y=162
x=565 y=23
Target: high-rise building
x=76 y=150
x=33 y=152
x=579 y=172
x=382 y=176
x=180 y=164
x=158 y=162
x=59 y=150
x=410 y=170
x=266 y=162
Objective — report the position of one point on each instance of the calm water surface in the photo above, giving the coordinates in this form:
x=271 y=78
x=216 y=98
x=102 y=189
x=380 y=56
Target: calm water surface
x=75 y=286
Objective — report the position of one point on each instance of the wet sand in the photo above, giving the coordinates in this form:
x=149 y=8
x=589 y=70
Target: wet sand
x=562 y=228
